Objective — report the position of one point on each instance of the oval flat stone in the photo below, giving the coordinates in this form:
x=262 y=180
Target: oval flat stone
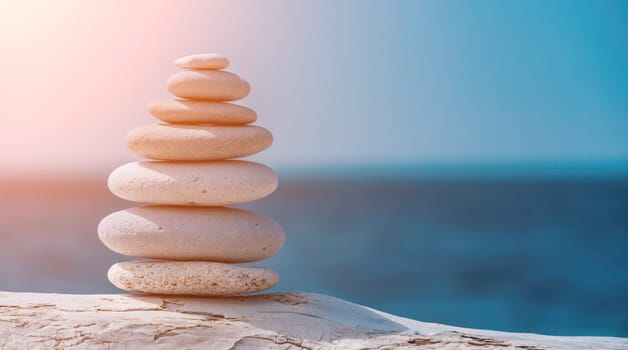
x=191 y=233
x=214 y=183
x=202 y=61
x=210 y=85
x=201 y=112
x=198 y=142
x=200 y=278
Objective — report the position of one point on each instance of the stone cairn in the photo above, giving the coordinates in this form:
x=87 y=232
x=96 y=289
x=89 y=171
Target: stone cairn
x=192 y=239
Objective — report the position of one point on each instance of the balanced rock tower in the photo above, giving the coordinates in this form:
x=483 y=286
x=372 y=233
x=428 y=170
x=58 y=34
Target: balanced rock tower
x=193 y=241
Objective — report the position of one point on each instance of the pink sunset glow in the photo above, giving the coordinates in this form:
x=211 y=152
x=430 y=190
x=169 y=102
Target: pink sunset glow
x=76 y=76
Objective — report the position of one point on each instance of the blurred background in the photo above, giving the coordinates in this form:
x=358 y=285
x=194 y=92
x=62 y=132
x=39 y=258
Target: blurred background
x=462 y=162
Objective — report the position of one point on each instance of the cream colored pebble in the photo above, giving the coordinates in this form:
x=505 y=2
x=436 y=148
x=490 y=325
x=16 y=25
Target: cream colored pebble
x=198 y=142
x=210 y=85
x=200 y=278
x=202 y=61
x=191 y=233
x=201 y=112
x=214 y=183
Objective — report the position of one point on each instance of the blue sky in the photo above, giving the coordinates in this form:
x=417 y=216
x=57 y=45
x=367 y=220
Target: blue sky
x=459 y=81
x=339 y=83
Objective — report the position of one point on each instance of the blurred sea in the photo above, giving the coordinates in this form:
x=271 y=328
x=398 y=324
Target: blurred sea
x=546 y=254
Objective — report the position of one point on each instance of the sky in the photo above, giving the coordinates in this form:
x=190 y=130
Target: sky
x=340 y=84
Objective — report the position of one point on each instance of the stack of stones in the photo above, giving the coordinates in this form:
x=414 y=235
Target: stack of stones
x=192 y=238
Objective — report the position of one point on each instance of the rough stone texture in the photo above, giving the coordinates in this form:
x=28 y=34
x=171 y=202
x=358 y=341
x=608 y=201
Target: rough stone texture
x=272 y=321
x=202 y=278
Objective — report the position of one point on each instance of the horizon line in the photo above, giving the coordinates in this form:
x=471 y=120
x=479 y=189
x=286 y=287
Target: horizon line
x=428 y=169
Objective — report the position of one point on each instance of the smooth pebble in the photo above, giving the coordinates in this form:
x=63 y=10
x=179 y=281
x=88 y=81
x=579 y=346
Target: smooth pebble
x=197 y=142
x=191 y=233
x=209 y=85
x=214 y=183
x=201 y=112
x=202 y=61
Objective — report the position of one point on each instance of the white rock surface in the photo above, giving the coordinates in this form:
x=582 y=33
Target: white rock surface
x=272 y=321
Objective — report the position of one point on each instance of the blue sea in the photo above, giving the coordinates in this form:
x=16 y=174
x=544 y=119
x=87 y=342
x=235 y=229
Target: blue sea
x=530 y=254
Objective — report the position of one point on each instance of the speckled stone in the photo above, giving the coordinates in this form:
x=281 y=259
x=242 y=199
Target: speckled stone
x=200 y=278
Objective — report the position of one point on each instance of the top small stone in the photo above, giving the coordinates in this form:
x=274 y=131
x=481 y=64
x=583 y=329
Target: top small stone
x=212 y=61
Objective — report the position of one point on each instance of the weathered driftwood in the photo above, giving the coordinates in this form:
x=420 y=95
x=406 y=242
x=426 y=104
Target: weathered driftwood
x=272 y=321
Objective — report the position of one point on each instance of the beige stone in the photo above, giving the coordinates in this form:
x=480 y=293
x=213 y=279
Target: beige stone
x=191 y=233
x=214 y=183
x=198 y=142
x=202 y=61
x=210 y=85
x=199 y=278
x=201 y=112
